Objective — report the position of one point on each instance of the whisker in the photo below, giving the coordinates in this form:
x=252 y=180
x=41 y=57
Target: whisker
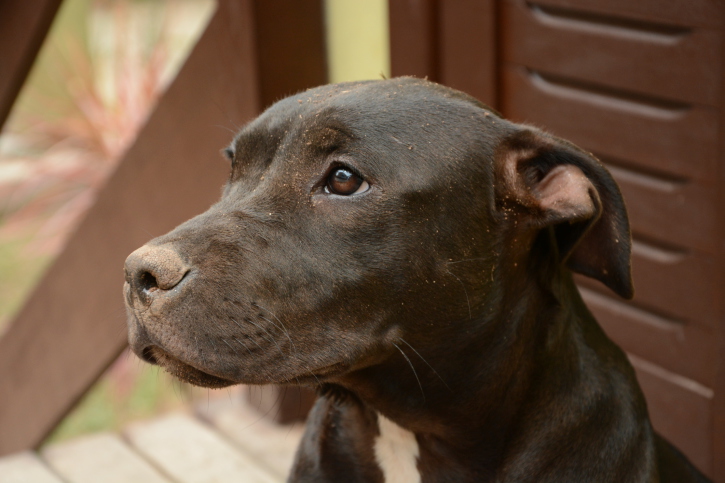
x=266 y=332
x=242 y=344
x=467 y=260
x=214 y=345
x=230 y=346
x=201 y=354
x=283 y=395
x=470 y=315
x=411 y=366
x=313 y=375
x=262 y=416
x=426 y=362
x=255 y=342
x=284 y=329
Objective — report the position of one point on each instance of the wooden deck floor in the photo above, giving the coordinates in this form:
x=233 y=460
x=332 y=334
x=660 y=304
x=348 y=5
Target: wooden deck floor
x=222 y=443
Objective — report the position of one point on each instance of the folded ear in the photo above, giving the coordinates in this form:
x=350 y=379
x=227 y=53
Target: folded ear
x=546 y=181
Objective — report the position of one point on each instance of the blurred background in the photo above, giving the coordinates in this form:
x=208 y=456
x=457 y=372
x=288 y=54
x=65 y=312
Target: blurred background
x=85 y=166
x=97 y=77
x=99 y=72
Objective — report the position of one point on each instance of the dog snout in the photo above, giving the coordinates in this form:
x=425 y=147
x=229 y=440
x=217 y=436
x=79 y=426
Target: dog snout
x=152 y=271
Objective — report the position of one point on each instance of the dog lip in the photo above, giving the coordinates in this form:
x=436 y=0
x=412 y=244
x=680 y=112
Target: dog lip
x=183 y=370
x=324 y=372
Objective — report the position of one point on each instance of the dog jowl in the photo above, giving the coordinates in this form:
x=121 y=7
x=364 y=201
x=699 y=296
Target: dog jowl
x=409 y=253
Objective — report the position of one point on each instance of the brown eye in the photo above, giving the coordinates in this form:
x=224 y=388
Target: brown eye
x=344 y=182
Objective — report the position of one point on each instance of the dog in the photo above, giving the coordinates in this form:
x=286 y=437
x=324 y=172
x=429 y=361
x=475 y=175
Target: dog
x=408 y=252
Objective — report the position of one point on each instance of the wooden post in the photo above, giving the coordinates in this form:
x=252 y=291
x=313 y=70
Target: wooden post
x=414 y=38
x=453 y=43
x=718 y=402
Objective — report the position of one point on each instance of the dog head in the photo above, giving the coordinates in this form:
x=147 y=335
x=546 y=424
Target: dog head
x=358 y=214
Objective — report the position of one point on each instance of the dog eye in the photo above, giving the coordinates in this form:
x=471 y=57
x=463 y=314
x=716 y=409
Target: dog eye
x=344 y=182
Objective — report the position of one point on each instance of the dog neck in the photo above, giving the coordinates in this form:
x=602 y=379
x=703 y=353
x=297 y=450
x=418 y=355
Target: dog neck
x=470 y=398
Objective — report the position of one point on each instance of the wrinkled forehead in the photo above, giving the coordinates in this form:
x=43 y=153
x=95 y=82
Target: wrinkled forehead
x=402 y=135
x=360 y=109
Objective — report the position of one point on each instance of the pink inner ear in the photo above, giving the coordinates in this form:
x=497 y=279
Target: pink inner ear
x=566 y=193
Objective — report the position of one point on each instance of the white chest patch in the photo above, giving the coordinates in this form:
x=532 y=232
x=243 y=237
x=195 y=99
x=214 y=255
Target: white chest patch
x=396 y=451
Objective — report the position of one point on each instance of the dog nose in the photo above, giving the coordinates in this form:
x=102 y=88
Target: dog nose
x=152 y=269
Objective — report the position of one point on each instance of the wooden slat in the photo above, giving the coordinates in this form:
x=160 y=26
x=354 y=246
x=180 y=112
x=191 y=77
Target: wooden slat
x=682 y=142
x=290 y=41
x=453 y=43
x=190 y=452
x=272 y=445
x=680 y=410
x=674 y=282
x=72 y=326
x=23 y=27
x=718 y=420
x=679 y=65
x=25 y=467
x=706 y=13
x=468 y=48
x=680 y=348
x=414 y=38
x=100 y=457
x=689 y=207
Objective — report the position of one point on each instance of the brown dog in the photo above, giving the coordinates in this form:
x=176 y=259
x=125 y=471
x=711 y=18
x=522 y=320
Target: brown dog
x=409 y=253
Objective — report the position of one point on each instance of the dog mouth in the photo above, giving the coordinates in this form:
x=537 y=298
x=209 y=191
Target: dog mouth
x=321 y=375
x=188 y=373
x=182 y=370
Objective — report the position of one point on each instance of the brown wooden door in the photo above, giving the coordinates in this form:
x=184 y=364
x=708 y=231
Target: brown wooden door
x=640 y=85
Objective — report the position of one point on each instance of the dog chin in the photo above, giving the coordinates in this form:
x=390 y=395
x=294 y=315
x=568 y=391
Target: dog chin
x=184 y=371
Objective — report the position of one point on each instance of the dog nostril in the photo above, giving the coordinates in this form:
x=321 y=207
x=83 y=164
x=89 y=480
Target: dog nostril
x=147 y=282
x=151 y=270
x=148 y=355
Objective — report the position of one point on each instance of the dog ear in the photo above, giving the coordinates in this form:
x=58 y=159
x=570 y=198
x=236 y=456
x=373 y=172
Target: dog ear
x=546 y=181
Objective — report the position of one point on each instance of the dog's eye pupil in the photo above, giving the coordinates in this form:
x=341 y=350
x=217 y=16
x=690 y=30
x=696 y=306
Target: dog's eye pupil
x=344 y=182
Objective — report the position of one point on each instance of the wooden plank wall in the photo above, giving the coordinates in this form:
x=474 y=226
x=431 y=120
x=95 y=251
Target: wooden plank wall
x=641 y=91
x=453 y=43
x=640 y=84
x=72 y=326
x=718 y=402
